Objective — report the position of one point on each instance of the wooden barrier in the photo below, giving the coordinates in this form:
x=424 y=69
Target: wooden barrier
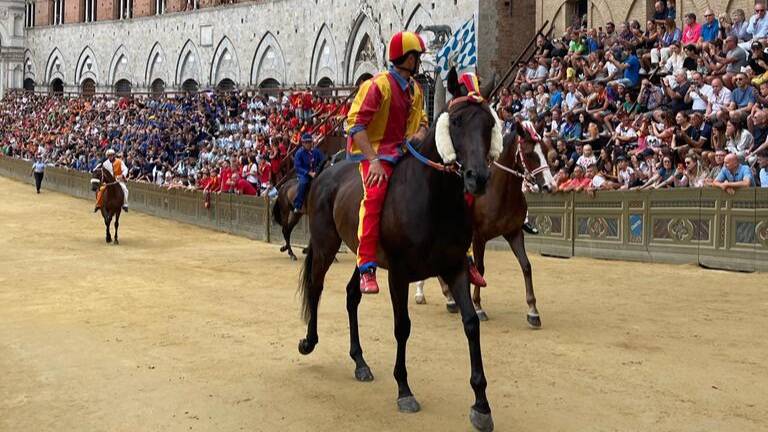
x=701 y=226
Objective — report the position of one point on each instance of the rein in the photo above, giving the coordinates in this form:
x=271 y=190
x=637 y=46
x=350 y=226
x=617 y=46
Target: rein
x=454 y=168
x=528 y=174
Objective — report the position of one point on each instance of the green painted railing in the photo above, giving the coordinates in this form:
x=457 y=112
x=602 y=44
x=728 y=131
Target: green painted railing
x=699 y=226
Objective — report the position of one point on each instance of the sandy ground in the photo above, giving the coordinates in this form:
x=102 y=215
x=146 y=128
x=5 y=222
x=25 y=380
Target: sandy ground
x=181 y=328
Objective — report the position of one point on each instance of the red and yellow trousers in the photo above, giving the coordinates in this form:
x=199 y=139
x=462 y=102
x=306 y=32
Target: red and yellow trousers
x=99 y=195
x=368 y=227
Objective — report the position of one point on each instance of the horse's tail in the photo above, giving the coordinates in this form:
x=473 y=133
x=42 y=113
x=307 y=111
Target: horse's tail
x=305 y=283
x=277 y=212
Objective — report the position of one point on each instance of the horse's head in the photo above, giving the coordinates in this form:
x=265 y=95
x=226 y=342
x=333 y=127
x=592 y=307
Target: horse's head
x=470 y=132
x=531 y=156
x=100 y=176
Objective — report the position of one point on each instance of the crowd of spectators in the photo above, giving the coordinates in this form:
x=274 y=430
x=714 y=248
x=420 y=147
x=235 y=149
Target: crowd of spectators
x=219 y=142
x=654 y=106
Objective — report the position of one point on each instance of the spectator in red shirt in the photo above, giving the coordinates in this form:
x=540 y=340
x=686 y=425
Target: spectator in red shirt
x=265 y=173
x=241 y=186
x=578 y=183
x=224 y=177
x=307 y=104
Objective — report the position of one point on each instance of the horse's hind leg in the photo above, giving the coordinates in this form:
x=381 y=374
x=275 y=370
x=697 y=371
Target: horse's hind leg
x=517 y=242
x=419 y=295
x=288 y=226
x=316 y=265
x=107 y=222
x=398 y=291
x=480 y=413
x=362 y=371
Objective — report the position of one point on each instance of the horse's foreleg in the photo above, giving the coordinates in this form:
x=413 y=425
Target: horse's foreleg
x=398 y=291
x=107 y=222
x=517 y=242
x=478 y=248
x=117 y=225
x=480 y=413
x=362 y=371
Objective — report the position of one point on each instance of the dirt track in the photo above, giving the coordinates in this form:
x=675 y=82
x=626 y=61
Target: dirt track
x=181 y=328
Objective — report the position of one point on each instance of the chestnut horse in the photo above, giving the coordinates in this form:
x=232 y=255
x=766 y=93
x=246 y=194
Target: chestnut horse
x=112 y=199
x=426 y=228
x=502 y=212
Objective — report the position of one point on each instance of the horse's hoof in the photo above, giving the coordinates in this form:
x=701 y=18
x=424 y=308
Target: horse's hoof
x=109 y=240
x=305 y=347
x=364 y=374
x=293 y=257
x=420 y=299
x=116 y=242
x=481 y=315
x=480 y=421
x=534 y=321
x=408 y=404
x=452 y=307
x=284 y=248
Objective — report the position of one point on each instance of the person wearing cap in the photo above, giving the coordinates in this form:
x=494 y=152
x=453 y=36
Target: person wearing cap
x=307 y=162
x=387 y=110
x=117 y=168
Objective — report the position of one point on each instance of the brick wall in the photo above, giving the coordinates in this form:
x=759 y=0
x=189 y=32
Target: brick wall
x=175 y=5
x=43 y=12
x=72 y=11
x=106 y=9
x=143 y=8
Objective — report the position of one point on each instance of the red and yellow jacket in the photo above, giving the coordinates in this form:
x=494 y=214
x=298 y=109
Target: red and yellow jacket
x=390 y=109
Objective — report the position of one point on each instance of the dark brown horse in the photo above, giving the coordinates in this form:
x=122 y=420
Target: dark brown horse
x=112 y=199
x=283 y=214
x=502 y=210
x=426 y=228
x=282 y=210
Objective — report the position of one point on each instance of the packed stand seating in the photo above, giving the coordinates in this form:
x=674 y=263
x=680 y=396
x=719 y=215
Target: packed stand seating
x=230 y=142
x=650 y=107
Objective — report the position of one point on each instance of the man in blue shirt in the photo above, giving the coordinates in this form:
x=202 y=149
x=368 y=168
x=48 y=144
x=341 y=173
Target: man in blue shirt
x=710 y=28
x=307 y=163
x=743 y=97
x=734 y=175
x=630 y=67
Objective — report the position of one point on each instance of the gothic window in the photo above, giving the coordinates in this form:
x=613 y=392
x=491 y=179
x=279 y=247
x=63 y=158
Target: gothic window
x=159 y=7
x=89 y=10
x=29 y=14
x=126 y=9
x=57 y=12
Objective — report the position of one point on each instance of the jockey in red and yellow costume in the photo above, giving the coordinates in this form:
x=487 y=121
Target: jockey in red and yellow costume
x=387 y=110
x=117 y=168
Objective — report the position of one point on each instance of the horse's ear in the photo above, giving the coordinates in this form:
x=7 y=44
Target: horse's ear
x=454 y=88
x=488 y=87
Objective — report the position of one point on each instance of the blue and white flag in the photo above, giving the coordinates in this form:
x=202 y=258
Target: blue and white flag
x=460 y=50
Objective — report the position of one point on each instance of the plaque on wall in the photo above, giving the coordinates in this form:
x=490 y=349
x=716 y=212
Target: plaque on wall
x=206 y=35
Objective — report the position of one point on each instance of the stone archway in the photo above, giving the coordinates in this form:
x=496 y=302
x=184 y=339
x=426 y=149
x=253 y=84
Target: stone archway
x=188 y=65
x=87 y=67
x=268 y=62
x=225 y=64
x=324 y=60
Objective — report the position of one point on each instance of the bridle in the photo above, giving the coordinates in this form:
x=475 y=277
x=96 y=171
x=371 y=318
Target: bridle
x=454 y=167
x=528 y=175
x=101 y=177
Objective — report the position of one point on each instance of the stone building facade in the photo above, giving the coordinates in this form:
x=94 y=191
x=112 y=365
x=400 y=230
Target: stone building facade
x=122 y=45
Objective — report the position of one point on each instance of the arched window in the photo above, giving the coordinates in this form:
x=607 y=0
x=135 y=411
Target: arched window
x=88 y=10
x=226 y=85
x=190 y=86
x=29 y=14
x=158 y=87
x=56 y=12
x=323 y=84
x=123 y=88
x=57 y=87
x=88 y=88
x=29 y=85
